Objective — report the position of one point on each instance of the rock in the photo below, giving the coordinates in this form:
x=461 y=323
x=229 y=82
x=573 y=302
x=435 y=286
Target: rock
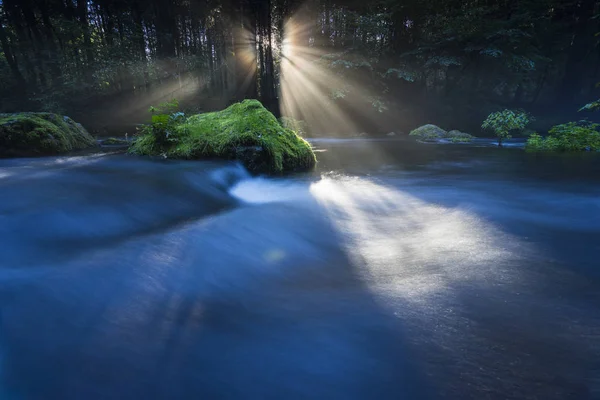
x=433 y=133
x=429 y=133
x=298 y=126
x=40 y=134
x=245 y=131
x=458 y=136
x=391 y=134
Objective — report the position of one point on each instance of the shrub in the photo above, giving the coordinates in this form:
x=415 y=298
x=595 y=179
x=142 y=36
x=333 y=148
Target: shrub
x=572 y=136
x=503 y=123
x=164 y=122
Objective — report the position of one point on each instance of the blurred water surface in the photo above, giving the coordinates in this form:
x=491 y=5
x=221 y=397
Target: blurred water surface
x=397 y=270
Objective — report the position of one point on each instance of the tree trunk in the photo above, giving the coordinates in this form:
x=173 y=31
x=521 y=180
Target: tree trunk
x=12 y=62
x=581 y=43
x=83 y=21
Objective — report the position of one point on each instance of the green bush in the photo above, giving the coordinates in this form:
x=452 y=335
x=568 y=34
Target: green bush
x=593 y=106
x=572 y=136
x=503 y=123
x=164 y=122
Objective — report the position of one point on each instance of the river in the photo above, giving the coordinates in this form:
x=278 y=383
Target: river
x=395 y=271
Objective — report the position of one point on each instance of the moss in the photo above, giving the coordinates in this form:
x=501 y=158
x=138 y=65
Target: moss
x=428 y=132
x=433 y=133
x=298 y=126
x=459 y=137
x=460 y=140
x=115 y=141
x=244 y=131
x=38 y=134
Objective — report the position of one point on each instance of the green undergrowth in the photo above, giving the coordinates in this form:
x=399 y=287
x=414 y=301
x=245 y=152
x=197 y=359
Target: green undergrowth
x=572 y=136
x=244 y=131
x=112 y=141
x=38 y=134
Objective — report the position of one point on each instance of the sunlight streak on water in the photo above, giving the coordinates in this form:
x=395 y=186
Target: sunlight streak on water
x=426 y=247
x=180 y=280
x=260 y=190
x=433 y=246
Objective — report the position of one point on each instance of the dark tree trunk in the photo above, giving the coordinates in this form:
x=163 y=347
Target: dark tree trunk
x=10 y=59
x=36 y=41
x=270 y=91
x=139 y=39
x=82 y=15
x=581 y=44
x=165 y=28
x=245 y=53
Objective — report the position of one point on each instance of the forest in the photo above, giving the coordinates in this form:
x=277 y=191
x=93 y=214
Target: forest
x=300 y=199
x=376 y=66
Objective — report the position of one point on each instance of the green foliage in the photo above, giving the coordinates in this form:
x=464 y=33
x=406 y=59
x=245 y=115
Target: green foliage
x=572 y=136
x=378 y=104
x=245 y=131
x=112 y=141
x=443 y=61
x=593 y=106
x=460 y=140
x=503 y=123
x=36 y=134
x=402 y=73
x=338 y=93
x=164 y=121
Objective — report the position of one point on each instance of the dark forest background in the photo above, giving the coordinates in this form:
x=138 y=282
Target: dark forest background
x=403 y=62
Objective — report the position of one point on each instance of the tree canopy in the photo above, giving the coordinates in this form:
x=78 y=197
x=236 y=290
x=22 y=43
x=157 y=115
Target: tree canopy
x=77 y=56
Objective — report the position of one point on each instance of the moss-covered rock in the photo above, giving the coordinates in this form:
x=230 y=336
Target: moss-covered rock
x=456 y=136
x=40 y=134
x=244 y=131
x=428 y=132
x=433 y=133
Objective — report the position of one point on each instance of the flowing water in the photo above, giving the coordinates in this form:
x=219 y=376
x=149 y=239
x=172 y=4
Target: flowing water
x=396 y=271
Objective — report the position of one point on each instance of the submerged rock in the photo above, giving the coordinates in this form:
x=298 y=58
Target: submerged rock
x=245 y=131
x=433 y=133
x=38 y=134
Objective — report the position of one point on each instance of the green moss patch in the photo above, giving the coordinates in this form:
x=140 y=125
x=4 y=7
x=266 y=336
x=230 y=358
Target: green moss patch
x=39 y=134
x=244 y=131
x=433 y=133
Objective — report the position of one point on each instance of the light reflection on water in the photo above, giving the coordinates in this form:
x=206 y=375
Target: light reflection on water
x=430 y=278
